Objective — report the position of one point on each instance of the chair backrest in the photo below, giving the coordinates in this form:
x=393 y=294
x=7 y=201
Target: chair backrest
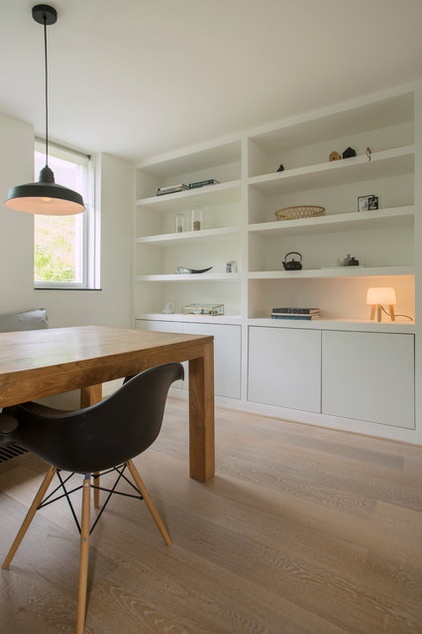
x=101 y=436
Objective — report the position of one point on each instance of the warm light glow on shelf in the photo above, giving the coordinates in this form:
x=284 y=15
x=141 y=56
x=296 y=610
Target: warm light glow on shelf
x=378 y=296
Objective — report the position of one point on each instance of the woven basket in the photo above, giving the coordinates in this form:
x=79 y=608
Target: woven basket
x=300 y=211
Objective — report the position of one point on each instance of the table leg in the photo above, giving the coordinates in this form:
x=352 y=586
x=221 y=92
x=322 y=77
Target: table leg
x=89 y=396
x=201 y=416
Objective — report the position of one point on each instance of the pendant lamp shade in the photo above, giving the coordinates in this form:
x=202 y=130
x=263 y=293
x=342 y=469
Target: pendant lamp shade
x=45 y=196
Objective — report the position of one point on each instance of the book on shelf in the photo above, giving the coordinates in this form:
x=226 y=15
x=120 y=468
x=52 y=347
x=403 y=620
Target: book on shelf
x=171 y=189
x=296 y=311
x=294 y=316
x=204 y=183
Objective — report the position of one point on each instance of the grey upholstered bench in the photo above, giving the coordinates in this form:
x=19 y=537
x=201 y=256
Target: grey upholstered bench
x=28 y=320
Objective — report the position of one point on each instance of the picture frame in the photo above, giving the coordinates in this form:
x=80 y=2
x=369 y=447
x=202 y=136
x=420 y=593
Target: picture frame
x=368 y=203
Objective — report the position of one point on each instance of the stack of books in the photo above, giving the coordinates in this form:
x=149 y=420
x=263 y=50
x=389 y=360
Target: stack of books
x=304 y=314
x=171 y=189
x=204 y=183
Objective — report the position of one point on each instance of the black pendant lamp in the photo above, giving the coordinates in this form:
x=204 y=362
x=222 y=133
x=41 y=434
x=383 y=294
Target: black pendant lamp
x=45 y=196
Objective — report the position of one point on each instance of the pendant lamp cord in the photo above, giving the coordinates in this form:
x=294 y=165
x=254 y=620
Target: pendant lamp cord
x=46 y=88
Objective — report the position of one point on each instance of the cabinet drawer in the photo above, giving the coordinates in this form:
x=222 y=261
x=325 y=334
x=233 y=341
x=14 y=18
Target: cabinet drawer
x=369 y=376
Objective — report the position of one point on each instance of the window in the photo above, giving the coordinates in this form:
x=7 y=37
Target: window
x=65 y=247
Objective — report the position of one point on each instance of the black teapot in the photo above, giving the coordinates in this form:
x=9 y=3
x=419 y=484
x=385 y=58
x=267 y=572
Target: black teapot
x=292 y=265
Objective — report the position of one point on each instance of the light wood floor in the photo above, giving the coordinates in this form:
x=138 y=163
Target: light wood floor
x=303 y=530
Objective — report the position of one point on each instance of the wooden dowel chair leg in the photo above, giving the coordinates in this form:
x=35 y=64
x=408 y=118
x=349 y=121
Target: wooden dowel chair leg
x=29 y=516
x=148 y=501
x=96 y=491
x=84 y=552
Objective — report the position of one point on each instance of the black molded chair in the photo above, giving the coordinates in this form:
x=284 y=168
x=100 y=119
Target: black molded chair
x=101 y=438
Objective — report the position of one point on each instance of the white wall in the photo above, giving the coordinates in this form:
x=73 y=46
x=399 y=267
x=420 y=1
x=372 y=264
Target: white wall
x=115 y=194
x=16 y=229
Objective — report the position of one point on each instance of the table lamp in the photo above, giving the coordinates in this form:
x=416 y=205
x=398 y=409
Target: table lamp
x=378 y=296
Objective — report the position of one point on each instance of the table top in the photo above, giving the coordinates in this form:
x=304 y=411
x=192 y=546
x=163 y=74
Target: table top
x=37 y=363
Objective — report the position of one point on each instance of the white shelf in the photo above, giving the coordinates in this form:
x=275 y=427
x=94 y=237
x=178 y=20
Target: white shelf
x=210 y=195
x=191 y=277
x=357 y=220
x=383 y=164
x=189 y=237
x=358 y=325
x=333 y=272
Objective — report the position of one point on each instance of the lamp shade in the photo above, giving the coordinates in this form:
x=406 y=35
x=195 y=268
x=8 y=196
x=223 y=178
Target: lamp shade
x=45 y=198
x=381 y=295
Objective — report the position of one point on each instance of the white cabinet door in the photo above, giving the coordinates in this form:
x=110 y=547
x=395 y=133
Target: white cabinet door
x=227 y=351
x=227 y=355
x=285 y=367
x=369 y=376
x=164 y=326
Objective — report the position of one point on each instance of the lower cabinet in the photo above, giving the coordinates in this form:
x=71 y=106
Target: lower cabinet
x=285 y=367
x=227 y=351
x=369 y=376
x=357 y=375
x=363 y=376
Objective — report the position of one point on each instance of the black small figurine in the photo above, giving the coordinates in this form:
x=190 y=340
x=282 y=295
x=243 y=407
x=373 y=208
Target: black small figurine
x=281 y=168
x=349 y=152
x=353 y=262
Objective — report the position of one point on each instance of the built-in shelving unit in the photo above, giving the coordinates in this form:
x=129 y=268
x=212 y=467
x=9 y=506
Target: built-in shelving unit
x=239 y=223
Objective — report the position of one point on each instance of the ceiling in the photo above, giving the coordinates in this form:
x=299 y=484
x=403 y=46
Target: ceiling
x=139 y=78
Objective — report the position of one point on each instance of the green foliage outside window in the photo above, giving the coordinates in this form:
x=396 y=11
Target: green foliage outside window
x=54 y=253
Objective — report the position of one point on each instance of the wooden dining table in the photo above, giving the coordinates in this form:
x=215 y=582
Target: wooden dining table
x=39 y=363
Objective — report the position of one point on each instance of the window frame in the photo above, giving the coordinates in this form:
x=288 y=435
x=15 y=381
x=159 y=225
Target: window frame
x=90 y=218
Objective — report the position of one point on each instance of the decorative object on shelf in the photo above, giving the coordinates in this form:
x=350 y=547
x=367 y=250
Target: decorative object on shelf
x=182 y=270
x=304 y=314
x=349 y=152
x=171 y=189
x=350 y=261
x=334 y=156
x=296 y=310
x=45 y=196
x=231 y=267
x=204 y=183
x=168 y=308
x=180 y=223
x=373 y=203
x=280 y=168
x=368 y=203
x=197 y=219
x=299 y=211
x=292 y=265
x=296 y=317
x=368 y=153
x=378 y=296
x=203 y=309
